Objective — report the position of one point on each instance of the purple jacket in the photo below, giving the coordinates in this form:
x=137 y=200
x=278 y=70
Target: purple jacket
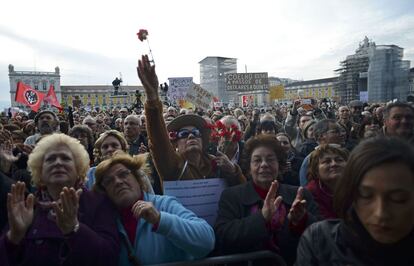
x=95 y=243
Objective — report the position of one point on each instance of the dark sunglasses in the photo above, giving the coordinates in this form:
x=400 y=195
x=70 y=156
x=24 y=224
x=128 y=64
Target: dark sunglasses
x=184 y=133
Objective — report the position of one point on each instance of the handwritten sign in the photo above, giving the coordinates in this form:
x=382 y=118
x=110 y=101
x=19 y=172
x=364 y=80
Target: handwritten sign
x=178 y=88
x=201 y=196
x=199 y=96
x=246 y=81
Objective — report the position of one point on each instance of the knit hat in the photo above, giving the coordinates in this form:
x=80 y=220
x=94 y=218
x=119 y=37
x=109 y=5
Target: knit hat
x=307 y=126
x=45 y=112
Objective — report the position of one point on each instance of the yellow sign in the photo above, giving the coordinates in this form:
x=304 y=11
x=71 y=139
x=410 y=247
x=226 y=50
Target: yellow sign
x=185 y=104
x=277 y=92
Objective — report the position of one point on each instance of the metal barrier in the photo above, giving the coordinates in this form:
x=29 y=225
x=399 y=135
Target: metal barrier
x=224 y=260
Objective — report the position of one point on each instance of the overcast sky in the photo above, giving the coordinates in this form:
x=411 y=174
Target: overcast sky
x=93 y=41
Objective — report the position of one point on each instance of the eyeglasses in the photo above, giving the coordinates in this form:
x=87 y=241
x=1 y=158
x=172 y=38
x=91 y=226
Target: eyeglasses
x=109 y=180
x=184 y=133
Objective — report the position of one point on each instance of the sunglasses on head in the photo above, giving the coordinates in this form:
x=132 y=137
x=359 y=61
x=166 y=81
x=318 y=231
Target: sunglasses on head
x=184 y=133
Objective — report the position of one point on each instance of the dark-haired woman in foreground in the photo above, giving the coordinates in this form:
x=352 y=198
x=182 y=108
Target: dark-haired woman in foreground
x=375 y=201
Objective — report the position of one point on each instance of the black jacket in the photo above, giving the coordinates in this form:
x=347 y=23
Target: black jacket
x=239 y=231
x=5 y=185
x=333 y=243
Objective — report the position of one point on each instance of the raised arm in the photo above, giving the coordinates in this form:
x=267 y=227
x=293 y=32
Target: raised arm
x=165 y=159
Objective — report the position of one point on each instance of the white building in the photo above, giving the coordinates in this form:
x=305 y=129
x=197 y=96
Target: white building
x=40 y=81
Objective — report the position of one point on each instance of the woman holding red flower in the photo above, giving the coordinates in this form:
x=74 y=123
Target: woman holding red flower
x=227 y=134
x=180 y=150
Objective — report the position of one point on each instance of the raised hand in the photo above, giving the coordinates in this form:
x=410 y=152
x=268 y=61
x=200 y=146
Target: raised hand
x=142 y=148
x=224 y=163
x=296 y=105
x=6 y=152
x=148 y=77
x=5 y=136
x=147 y=211
x=67 y=209
x=271 y=202
x=19 y=212
x=298 y=209
x=26 y=149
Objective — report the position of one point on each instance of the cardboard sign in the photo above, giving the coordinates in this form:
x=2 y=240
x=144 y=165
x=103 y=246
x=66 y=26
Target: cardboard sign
x=276 y=92
x=201 y=196
x=246 y=81
x=199 y=96
x=178 y=87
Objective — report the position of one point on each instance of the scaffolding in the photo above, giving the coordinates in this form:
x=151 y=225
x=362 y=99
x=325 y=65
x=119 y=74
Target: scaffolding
x=379 y=70
x=350 y=72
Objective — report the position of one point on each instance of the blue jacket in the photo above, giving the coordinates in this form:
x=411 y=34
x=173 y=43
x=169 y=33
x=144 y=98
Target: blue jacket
x=304 y=171
x=180 y=235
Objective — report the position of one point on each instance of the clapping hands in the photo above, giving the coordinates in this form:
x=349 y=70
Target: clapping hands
x=272 y=202
x=19 y=212
x=298 y=209
x=66 y=209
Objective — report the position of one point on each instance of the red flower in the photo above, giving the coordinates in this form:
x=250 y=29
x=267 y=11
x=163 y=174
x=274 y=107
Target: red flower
x=172 y=135
x=219 y=130
x=142 y=35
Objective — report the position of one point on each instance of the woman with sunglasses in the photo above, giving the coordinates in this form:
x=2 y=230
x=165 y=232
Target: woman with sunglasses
x=179 y=151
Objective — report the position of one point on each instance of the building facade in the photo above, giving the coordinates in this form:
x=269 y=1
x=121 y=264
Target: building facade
x=315 y=89
x=86 y=96
x=388 y=74
x=40 y=81
x=89 y=96
x=212 y=73
x=376 y=71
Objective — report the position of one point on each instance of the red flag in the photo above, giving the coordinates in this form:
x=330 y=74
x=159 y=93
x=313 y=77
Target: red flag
x=28 y=96
x=52 y=99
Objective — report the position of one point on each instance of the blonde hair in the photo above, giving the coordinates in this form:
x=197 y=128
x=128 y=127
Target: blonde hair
x=98 y=143
x=136 y=164
x=36 y=157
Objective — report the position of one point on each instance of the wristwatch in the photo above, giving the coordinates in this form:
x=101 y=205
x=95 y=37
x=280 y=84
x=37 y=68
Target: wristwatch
x=74 y=230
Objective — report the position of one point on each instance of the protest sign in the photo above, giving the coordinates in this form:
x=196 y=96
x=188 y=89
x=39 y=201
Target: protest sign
x=178 y=87
x=199 y=96
x=276 y=92
x=201 y=196
x=363 y=96
x=246 y=81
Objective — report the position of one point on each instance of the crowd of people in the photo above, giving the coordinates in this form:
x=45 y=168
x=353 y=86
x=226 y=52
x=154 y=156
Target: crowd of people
x=317 y=184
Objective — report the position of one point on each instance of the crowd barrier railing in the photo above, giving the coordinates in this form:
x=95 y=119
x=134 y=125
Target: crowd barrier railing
x=233 y=258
